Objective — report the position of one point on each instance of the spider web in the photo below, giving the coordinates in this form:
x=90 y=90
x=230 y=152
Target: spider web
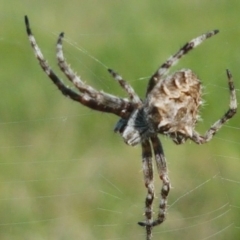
x=66 y=175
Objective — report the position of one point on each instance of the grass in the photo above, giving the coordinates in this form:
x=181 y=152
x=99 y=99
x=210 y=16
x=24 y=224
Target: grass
x=64 y=173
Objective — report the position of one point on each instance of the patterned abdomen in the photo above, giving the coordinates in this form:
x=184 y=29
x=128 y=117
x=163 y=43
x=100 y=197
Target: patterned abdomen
x=174 y=103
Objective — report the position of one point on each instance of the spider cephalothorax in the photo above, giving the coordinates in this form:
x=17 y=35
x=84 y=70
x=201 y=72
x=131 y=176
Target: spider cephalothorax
x=137 y=128
x=170 y=108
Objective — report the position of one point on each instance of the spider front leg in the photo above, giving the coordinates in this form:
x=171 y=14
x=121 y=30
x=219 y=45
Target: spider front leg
x=148 y=179
x=163 y=174
x=197 y=138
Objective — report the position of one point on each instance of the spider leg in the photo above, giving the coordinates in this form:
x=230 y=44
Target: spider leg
x=70 y=74
x=162 y=70
x=89 y=97
x=148 y=180
x=127 y=87
x=163 y=174
x=43 y=63
x=197 y=138
x=101 y=97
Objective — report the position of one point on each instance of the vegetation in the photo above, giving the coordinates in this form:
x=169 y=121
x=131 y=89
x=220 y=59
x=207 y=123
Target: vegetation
x=64 y=174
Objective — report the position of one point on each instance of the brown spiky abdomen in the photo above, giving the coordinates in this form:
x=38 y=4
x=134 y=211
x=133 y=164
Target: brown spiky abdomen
x=174 y=104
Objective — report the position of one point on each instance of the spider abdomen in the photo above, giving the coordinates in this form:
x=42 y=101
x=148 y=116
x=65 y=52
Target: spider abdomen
x=174 y=104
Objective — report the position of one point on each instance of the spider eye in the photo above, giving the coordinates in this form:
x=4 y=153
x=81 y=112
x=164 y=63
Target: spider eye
x=120 y=125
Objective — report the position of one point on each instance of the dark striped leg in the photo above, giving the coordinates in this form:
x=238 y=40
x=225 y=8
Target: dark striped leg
x=162 y=70
x=148 y=179
x=88 y=96
x=126 y=86
x=163 y=175
x=197 y=138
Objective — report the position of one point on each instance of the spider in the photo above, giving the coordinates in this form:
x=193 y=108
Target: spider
x=170 y=107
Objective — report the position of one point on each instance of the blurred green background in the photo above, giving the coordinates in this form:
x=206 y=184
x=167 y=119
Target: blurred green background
x=64 y=174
